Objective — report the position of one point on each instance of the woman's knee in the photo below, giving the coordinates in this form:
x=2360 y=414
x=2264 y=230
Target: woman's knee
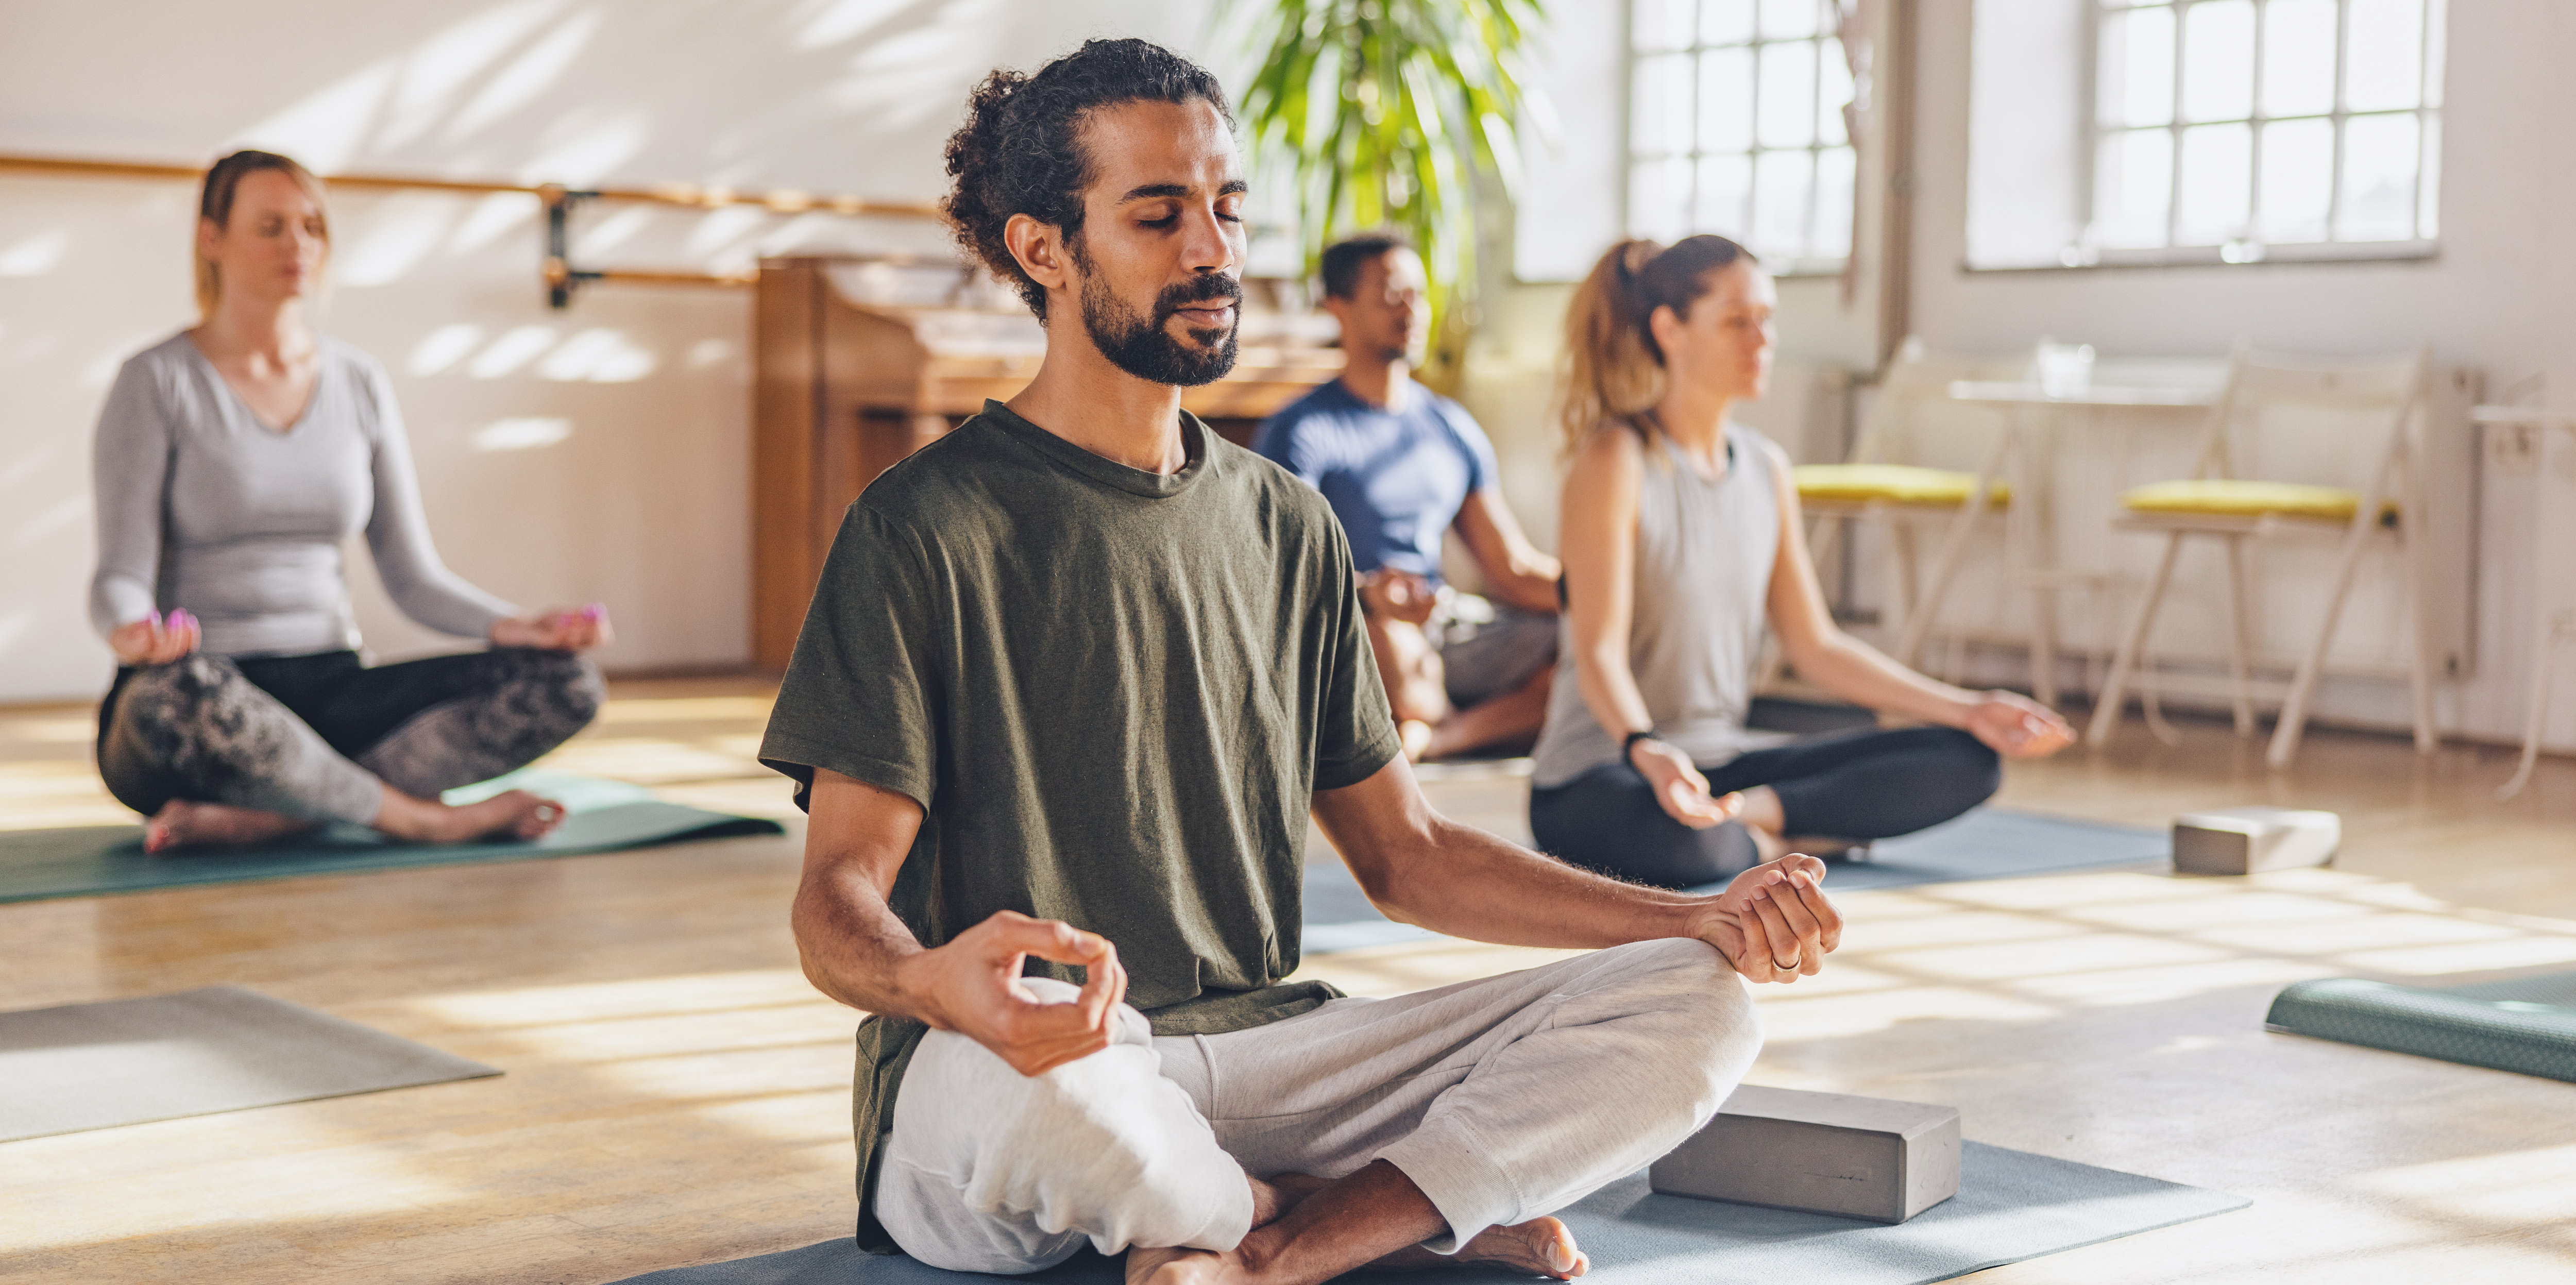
x=562 y=687
x=1974 y=766
x=175 y=694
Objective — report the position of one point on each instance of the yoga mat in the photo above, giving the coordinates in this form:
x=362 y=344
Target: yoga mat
x=2011 y=1205
x=2527 y=1025
x=600 y=816
x=126 y=1061
x=1986 y=843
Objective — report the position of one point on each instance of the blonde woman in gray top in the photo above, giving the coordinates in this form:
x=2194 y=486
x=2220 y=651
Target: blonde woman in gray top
x=233 y=459
x=1681 y=540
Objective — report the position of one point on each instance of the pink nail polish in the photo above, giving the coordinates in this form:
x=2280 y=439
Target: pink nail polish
x=155 y=617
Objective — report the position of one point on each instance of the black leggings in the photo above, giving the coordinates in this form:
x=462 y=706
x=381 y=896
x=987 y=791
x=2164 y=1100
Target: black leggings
x=1851 y=785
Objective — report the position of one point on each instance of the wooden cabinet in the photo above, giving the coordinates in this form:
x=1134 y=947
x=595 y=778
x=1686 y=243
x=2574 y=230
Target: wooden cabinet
x=846 y=383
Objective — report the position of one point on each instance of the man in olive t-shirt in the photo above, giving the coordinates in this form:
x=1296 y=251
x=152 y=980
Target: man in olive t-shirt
x=1070 y=684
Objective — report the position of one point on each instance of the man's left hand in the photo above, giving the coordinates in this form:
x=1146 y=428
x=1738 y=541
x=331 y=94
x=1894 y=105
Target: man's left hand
x=1774 y=922
x=563 y=629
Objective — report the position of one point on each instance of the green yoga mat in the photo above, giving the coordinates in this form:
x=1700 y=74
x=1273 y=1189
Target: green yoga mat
x=600 y=816
x=2527 y=1025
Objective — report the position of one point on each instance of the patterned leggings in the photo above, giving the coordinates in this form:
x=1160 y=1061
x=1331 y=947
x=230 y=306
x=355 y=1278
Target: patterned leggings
x=319 y=737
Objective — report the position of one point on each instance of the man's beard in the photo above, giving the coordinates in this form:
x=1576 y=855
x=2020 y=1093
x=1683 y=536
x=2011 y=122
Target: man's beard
x=1140 y=346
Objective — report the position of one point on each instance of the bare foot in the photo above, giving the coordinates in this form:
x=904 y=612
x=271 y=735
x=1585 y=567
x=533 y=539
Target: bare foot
x=185 y=823
x=1177 y=1267
x=1771 y=846
x=513 y=814
x=1540 y=1247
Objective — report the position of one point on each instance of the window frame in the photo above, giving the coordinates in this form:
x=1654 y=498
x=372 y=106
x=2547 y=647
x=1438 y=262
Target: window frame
x=2432 y=48
x=1815 y=148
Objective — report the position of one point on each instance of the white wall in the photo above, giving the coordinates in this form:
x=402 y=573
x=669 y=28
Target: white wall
x=2500 y=297
x=644 y=503
x=2496 y=297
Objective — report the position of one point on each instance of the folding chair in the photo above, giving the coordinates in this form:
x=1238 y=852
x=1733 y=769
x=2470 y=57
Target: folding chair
x=1874 y=484
x=2386 y=396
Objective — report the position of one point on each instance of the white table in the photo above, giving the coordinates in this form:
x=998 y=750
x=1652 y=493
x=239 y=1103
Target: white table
x=2548 y=626
x=2016 y=458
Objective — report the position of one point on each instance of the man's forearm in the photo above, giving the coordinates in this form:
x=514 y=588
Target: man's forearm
x=853 y=947
x=1530 y=588
x=1472 y=884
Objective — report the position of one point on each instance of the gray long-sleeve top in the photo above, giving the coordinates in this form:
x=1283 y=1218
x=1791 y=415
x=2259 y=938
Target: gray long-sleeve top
x=202 y=506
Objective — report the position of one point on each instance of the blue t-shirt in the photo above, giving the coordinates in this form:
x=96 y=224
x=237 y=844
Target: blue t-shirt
x=1394 y=477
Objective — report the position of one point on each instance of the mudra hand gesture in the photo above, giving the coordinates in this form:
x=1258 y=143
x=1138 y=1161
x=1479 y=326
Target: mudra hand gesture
x=155 y=640
x=561 y=629
x=1401 y=595
x=1680 y=789
x=2018 y=727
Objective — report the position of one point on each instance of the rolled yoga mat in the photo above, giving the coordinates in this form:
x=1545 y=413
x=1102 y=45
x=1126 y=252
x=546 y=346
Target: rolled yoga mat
x=2011 y=1205
x=600 y=816
x=222 y=1048
x=2526 y=1025
x=1986 y=843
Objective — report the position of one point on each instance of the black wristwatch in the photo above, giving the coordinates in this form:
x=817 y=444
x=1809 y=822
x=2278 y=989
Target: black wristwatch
x=1629 y=746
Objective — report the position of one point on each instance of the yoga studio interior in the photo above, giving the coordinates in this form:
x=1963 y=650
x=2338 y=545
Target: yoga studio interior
x=561 y=583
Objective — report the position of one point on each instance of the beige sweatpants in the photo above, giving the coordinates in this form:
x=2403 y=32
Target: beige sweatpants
x=1503 y=1100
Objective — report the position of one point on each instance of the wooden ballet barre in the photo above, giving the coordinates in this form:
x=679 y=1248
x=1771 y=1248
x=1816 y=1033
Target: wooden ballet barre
x=560 y=276
x=692 y=195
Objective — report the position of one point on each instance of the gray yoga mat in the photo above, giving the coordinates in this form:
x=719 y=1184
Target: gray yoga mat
x=600 y=816
x=1986 y=843
x=2526 y=1025
x=222 y=1048
x=2011 y=1205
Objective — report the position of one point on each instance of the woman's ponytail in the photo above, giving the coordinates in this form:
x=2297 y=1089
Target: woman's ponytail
x=1614 y=369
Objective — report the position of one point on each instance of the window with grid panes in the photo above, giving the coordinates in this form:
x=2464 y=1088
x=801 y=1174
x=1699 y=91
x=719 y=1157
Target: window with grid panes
x=2251 y=129
x=1735 y=126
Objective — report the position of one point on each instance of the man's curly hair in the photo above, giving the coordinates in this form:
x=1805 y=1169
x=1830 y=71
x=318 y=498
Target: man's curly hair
x=1020 y=150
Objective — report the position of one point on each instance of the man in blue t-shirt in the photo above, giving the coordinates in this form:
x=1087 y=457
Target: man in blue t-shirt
x=1401 y=466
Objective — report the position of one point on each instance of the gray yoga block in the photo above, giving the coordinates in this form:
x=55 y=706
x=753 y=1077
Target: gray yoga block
x=2250 y=840
x=1825 y=1153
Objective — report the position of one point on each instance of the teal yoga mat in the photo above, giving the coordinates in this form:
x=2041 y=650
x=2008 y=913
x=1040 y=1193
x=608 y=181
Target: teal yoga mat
x=2011 y=1205
x=1986 y=843
x=601 y=816
x=2526 y=1025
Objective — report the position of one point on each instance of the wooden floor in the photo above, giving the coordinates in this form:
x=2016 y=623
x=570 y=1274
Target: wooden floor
x=676 y=1093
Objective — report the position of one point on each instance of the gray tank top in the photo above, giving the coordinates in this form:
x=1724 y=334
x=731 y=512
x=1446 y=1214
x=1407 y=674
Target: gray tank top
x=1703 y=582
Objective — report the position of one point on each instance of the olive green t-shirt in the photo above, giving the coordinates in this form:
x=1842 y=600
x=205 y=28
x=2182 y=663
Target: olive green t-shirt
x=1113 y=694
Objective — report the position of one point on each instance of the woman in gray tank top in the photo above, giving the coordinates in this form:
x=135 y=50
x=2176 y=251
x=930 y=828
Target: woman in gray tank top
x=1681 y=542
x=233 y=461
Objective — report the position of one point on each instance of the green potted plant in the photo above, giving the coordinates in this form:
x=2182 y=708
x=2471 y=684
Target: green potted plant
x=1387 y=112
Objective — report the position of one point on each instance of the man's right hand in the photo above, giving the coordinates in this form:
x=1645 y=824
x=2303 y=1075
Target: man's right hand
x=972 y=986
x=154 y=640
x=1399 y=595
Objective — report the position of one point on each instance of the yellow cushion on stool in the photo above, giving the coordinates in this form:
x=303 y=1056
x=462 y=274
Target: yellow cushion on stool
x=1892 y=484
x=2230 y=497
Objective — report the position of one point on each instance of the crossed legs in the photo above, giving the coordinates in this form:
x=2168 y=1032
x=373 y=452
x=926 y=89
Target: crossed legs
x=1432 y=724
x=1439 y=1127
x=213 y=757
